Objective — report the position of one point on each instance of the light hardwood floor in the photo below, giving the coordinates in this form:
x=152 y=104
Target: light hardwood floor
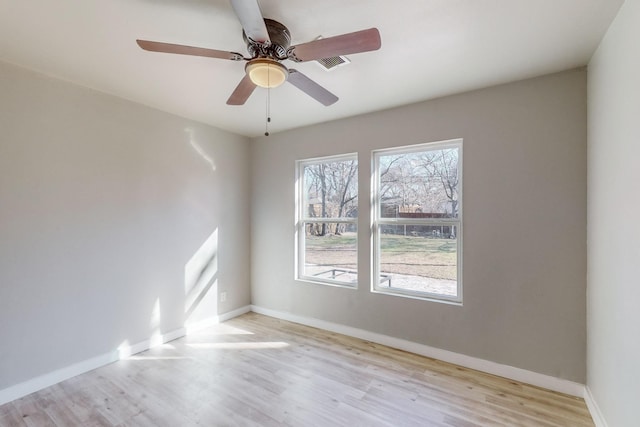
x=259 y=371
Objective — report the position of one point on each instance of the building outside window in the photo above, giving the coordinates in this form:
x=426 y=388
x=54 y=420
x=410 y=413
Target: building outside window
x=417 y=221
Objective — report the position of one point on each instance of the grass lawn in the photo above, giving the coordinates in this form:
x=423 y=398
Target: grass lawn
x=409 y=255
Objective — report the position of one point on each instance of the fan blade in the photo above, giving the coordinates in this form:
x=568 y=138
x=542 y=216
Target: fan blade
x=250 y=17
x=187 y=50
x=359 y=41
x=242 y=92
x=311 y=88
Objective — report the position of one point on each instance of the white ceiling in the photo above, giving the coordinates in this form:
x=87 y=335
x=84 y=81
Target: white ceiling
x=430 y=48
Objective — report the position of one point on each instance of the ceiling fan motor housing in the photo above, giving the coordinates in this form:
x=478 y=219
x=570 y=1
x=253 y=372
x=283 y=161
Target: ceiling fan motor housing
x=280 y=42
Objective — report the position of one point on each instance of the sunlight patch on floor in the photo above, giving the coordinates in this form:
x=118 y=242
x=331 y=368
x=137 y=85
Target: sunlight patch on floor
x=142 y=357
x=238 y=345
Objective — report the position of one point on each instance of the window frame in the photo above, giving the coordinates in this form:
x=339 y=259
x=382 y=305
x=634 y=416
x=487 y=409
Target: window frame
x=377 y=221
x=301 y=220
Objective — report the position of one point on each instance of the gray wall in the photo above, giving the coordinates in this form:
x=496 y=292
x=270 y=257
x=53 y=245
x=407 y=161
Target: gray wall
x=524 y=224
x=110 y=211
x=102 y=204
x=614 y=221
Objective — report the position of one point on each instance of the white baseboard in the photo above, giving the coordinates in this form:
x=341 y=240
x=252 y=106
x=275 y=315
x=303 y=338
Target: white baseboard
x=518 y=374
x=38 y=383
x=552 y=383
x=125 y=351
x=596 y=414
x=43 y=381
x=234 y=313
x=214 y=320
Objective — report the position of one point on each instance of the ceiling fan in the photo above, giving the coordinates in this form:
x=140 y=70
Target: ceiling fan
x=269 y=43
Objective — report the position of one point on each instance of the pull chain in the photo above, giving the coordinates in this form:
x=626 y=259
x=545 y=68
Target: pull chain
x=268 y=112
x=268 y=107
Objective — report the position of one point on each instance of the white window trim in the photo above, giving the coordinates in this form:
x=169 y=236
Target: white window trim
x=376 y=221
x=301 y=220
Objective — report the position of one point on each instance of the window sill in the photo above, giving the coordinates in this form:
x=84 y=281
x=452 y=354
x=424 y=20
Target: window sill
x=316 y=281
x=423 y=297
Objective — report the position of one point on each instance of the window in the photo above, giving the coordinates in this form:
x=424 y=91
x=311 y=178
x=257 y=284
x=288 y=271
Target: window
x=327 y=213
x=417 y=218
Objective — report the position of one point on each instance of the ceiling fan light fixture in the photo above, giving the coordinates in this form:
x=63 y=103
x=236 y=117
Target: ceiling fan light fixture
x=265 y=72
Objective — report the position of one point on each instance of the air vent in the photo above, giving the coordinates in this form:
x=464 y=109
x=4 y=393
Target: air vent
x=333 y=62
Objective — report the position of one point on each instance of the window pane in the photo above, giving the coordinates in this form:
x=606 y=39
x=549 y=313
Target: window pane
x=419 y=258
x=330 y=189
x=330 y=252
x=419 y=185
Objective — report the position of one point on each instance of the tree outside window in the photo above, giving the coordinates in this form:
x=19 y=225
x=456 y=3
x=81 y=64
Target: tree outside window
x=327 y=220
x=417 y=220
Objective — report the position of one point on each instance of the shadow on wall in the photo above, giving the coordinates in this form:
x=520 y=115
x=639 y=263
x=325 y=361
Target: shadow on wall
x=201 y=282
x=201 y=271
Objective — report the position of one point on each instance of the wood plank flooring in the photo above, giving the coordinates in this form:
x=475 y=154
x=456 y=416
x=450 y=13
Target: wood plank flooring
x=259 y=371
